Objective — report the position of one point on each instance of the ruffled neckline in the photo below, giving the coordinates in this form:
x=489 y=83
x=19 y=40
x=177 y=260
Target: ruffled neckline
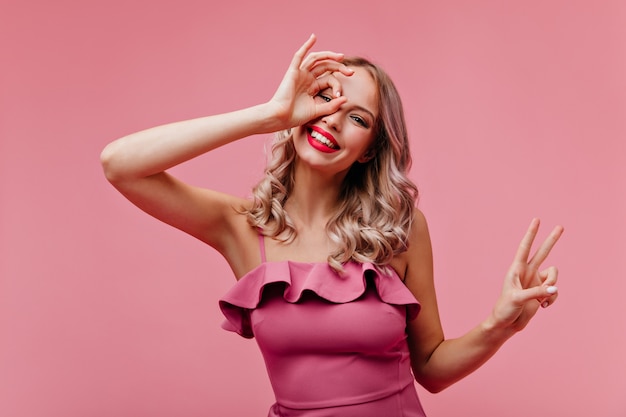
x=316 y=277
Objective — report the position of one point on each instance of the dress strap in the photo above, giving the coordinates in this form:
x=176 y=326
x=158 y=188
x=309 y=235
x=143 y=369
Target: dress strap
x=262 y=247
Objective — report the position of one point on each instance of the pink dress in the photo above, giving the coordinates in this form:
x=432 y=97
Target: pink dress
x=334 y=346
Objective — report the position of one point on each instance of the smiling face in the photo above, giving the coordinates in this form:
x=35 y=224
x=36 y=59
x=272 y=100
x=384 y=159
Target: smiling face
x=336 y=141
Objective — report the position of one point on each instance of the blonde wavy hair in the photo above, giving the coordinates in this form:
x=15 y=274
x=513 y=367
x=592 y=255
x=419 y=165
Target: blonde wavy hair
x=377 y=199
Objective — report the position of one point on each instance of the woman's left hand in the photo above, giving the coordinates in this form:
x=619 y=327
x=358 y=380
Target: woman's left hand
x=526 y=287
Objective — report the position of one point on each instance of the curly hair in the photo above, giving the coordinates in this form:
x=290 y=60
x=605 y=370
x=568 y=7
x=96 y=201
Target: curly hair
x=377 y=199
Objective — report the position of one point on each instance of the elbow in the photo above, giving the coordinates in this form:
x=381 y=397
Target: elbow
x=432 y=386
x=106 y=160
x=110 y=161
x=432 y=383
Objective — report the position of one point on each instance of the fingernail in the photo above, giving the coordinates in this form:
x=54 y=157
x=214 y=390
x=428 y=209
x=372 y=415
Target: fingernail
x=338 y=94
x=552 y=290
x=545 y=304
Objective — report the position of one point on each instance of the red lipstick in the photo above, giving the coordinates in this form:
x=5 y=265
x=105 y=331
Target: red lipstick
x=321 y=140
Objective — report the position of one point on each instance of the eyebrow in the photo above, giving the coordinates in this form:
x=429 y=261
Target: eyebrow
x=366 y=111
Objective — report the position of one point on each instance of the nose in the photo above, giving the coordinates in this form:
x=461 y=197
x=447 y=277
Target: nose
x=333 y=121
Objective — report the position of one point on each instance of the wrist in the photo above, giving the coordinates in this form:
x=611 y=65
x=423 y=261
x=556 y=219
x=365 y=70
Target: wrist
x=496 y=331
x=273 y=117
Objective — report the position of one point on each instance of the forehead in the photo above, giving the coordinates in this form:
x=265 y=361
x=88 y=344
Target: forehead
x=360 y=89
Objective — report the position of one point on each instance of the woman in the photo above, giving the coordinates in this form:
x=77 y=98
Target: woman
x=331 y=256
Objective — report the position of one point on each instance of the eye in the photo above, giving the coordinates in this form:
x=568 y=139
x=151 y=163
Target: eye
x=359 y=120
x=324 y=97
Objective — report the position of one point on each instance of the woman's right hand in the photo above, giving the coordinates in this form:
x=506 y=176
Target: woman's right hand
x=294 y=102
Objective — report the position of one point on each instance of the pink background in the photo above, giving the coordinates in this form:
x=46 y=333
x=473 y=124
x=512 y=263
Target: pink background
x=516 y=109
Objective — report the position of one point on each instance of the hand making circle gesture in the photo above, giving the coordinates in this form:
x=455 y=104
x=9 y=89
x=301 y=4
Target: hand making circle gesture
x=308 y=74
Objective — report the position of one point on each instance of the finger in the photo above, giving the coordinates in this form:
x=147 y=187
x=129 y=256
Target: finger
x=545 y=248
x=328 y=81
x=298 y=57
x=548 y=279
x=334 y=84
x=547 y=302
x=549 y=276
x=314 y=59
x=345 y=70
x=523 y=251
x=329 y=107
x=541 y=293
x=329 y=66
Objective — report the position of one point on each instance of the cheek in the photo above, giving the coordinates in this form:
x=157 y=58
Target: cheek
x=363 y=140
x=298 y=135
x=297 y=131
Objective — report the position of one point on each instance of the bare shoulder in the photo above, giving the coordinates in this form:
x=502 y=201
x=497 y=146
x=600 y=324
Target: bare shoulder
x=417 y=259
x=419 y=227
x=232 y=235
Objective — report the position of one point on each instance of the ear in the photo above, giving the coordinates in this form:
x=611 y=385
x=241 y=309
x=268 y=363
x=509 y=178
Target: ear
x=367 y=156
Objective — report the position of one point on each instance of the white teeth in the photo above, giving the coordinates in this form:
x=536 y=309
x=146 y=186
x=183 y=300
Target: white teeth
x=322 y=139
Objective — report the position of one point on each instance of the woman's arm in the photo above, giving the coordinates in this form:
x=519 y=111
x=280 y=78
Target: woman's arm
x=438 y=363
x=157 y=149
x=136 y=164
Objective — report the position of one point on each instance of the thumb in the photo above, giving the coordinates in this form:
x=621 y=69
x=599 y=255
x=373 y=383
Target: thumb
x=540 y=292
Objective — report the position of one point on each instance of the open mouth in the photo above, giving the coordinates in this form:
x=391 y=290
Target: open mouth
x=322 y=141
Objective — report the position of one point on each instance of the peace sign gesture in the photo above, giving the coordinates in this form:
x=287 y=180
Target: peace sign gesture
x=309 y=73
x=525 y=286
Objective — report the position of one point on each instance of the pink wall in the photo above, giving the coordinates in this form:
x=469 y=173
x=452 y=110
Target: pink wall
x=516 y=109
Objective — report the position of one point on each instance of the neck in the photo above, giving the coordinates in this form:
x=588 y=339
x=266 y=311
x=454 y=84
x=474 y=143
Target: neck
x=314 y=197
